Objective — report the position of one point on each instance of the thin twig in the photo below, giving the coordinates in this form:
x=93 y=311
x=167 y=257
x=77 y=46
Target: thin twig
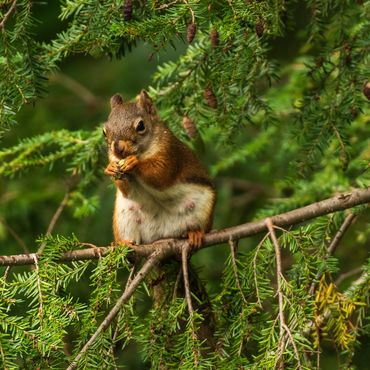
x=333 y=246
x=8 y=14
x=86 y=95
x=191 y=11
x=37 y=271
x=296 y=352
x=185 y=274
x=233 y=253
x=255 y=268
x=6 y=274
x=347 y=274
x=54 y=220
x=17 y=238
x=57 y=213
x=279 y=290
x=128 y=292
x=116 y=330
x=172 y=247
x=176 y=286
x=363 y=279
x=130 y=277
x=339 y=234
x=341 y=143
x=165 y=6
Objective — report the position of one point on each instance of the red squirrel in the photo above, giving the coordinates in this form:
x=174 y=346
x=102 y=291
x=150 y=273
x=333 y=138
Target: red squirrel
x=163 y=190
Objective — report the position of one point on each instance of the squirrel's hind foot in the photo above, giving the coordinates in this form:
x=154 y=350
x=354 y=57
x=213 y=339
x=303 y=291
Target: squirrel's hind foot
x=196 y=238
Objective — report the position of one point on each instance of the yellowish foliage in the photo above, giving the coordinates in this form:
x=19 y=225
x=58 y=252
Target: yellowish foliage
x=333 y=312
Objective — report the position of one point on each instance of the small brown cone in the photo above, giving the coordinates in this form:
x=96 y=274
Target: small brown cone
x=354 y=112
x=366 y=89
x=127 y=10
x=191 y=31
x=189 y=126
x=213 y=36
x=260 y=28
x=210 y=97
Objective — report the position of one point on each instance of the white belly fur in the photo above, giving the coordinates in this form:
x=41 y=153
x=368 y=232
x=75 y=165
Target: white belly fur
x=147 y=214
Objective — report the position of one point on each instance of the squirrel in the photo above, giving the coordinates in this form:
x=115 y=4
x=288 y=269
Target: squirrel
x=163 y=190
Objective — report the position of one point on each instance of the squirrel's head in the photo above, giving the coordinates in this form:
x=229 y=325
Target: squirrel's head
x=130 y=126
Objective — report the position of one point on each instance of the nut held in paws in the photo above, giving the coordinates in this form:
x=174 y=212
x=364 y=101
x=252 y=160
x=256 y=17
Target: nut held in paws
x=121 y=163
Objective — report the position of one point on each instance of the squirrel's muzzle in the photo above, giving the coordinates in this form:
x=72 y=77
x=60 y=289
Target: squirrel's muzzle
x=121 y=148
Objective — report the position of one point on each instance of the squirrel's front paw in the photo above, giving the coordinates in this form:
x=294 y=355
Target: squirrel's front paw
x=128 y=164
x=113 y=169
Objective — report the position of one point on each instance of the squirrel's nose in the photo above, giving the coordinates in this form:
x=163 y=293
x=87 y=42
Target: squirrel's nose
x=118 y=147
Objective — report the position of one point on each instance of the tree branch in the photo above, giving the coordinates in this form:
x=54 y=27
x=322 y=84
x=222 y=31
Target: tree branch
x=185 y=274
x=14 y=234
x=8 y=14
x=233 y=254
x=339 y=234
x=54 y=220
x=170 y=247
x=333 y=246
x=279 y=291
x=127 y=293
x=347 y=274
x=86 y=95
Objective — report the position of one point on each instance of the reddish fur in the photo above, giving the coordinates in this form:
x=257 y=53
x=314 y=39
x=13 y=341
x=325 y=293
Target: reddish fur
x=173 y=163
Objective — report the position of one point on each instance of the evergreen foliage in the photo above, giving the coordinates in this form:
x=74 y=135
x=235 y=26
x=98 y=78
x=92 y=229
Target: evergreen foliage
x=301 y=128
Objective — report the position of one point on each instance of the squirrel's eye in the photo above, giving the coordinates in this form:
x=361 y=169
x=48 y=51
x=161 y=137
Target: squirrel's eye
x=105 y=132
x=140 y=127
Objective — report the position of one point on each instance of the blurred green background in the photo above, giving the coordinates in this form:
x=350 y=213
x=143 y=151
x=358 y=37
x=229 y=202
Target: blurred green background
x=77 y=98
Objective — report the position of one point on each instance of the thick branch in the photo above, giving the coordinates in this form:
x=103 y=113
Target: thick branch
x=173 y=247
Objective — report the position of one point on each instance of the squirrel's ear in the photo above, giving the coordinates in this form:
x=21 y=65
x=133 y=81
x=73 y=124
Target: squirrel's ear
x=146 y=103
x=116 y=100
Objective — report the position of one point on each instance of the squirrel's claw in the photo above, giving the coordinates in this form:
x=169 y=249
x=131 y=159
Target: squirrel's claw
x=196 y=238
x=118 y=169
x=111 y=169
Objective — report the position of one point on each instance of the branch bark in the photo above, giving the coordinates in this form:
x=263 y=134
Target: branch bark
x=170 y=247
